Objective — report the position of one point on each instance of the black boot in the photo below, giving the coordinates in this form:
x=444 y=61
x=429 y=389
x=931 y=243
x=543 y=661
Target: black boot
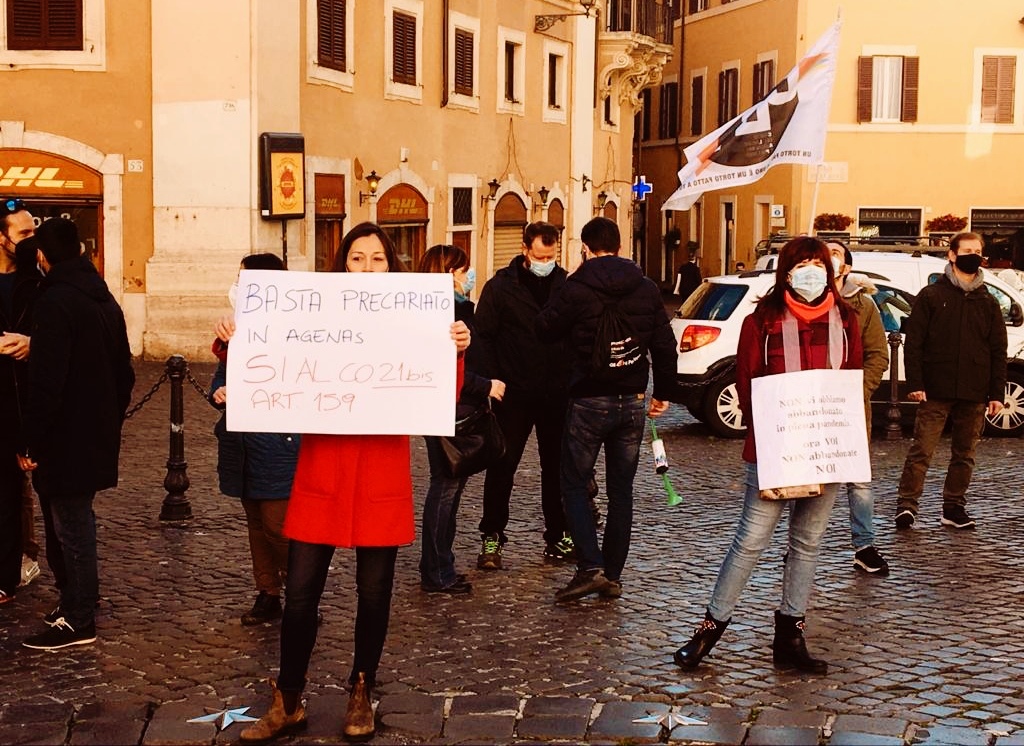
x=704 y=638
x=789 y=650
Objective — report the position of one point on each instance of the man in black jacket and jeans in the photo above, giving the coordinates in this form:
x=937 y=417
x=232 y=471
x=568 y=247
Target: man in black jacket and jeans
x=606 y=403
x=956 y=368
x=505 y=347
x=82 y=381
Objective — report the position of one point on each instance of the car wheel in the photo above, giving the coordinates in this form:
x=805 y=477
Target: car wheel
x=722 y=408
x=1010 y=420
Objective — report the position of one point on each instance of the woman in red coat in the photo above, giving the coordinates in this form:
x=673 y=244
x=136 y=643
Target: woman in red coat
x=349 y=491
x=801 y=324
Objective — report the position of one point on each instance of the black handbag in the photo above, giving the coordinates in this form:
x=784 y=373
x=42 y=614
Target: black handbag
x=478 y=442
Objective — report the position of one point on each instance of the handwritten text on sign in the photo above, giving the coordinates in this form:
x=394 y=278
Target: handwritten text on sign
x=340 y=352
x=809 y=428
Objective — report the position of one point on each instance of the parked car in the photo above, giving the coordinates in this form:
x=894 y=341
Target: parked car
x=707 y=328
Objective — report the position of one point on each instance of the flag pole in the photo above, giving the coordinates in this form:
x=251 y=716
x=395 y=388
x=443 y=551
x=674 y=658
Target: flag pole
x=814 y=198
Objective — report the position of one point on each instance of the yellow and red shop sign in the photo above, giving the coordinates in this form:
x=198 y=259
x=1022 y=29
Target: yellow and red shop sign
x=29 y=173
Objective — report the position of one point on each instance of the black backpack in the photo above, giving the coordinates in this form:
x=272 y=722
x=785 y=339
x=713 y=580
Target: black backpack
x=616 y=347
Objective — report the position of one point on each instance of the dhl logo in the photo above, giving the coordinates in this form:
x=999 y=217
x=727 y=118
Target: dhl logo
x=43 y=178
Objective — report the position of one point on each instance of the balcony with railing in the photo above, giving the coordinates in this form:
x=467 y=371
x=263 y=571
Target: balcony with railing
x=651 y=18
x=634 y=45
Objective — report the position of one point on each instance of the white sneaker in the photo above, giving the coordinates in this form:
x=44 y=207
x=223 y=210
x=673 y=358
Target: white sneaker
x=29 y=570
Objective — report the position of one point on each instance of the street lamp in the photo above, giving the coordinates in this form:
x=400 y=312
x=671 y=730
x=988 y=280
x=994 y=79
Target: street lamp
x=543 y=193
x=544 y=22
x=372 y=182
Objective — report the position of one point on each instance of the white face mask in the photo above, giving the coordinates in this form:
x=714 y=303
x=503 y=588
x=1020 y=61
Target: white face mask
x=808 y=281
x=542 y=269
x=836 y=265
x=232 y=293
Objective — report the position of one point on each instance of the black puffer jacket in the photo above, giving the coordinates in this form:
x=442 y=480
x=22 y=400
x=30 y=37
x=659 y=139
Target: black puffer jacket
x=956 y=344
x=505 y=344
x=575 y=312
x=82 y=382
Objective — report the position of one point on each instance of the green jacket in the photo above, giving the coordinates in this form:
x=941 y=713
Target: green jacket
x=856 y=291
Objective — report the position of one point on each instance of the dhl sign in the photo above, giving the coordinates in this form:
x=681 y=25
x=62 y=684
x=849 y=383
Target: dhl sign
x=30 y=173
x=401 y=203
x=37 y=176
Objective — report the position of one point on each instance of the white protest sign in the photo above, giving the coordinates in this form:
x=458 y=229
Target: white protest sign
x=809 y=427
x=342 y=352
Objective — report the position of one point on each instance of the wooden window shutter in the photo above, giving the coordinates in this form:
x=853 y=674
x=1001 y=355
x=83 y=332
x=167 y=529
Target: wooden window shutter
x=865 y=83
x=330 y=31
x=44 y=24
x=405 y=49
x=722 y=104
x=463 y=62
x=997 y=81
x=908 y=112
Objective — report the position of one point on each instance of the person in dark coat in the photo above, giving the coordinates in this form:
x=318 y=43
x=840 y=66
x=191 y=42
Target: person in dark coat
x=441 y=505
x=607 y=405
x=82 y=379
x=688 y=278
x=257 y=468
x=536 y=376
x=16 y=226
x=956 y=368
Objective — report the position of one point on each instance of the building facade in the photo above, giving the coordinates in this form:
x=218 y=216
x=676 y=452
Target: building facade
x=926 y=122
x=162 y=129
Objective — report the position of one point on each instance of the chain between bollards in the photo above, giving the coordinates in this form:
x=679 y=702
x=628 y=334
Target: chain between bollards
x=893 y=426
x=176 y=505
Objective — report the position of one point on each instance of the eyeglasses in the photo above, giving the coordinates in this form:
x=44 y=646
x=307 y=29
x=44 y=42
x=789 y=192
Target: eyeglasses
x=11 y=206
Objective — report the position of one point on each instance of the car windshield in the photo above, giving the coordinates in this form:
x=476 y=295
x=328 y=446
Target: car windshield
x=713 y=301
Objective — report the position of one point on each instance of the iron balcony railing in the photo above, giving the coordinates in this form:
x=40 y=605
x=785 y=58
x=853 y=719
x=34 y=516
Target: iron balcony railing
x=651 y=18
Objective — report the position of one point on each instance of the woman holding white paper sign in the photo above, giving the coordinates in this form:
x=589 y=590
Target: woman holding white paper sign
x=349 y=491
x=801 y=324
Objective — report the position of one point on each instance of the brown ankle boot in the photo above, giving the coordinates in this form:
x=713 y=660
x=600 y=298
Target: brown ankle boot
x=359 y=725
x=275 y=722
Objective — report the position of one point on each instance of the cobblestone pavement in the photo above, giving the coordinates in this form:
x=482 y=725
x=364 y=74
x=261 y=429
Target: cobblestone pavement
x=932 y=654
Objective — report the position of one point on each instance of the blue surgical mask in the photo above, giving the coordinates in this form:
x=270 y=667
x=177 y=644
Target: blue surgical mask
x=542 y=269
x=808 y=281
x=470 y=283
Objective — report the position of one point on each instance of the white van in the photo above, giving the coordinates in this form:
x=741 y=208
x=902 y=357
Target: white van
x=707 y=332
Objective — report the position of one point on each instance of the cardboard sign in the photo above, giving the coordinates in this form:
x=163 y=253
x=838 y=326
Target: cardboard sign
x=341 y=352
x=810 y=428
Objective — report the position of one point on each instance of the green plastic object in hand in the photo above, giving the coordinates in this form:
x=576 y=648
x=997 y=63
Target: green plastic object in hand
x=661 y=466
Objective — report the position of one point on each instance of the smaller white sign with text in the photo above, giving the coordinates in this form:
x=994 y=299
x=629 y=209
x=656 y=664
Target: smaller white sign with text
x=810 y=428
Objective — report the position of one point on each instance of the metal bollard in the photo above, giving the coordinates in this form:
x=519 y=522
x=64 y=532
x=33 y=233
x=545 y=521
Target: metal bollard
x=893 y=428
x=176 y=506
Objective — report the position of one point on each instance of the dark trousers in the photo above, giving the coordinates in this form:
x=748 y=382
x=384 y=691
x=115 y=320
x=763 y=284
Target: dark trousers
x=74 y=524
x=11 y=480
x=307 y=574
x=517 y=419
x=54 y=553
x=968 y=419
x=440 y=507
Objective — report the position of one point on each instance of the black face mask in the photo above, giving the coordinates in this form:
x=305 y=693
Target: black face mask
x=968 y=263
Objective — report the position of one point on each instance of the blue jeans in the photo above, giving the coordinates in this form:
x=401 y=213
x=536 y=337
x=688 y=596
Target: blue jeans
x=307 y=574
x=437 y=561
x=808 y=519
x=617 y=423
x=74 y=524
x=862 y=512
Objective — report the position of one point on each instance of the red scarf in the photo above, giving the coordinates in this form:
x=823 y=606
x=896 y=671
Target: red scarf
x=806 y=313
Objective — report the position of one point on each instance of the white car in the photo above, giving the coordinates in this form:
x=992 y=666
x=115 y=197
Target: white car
x=707 y=329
